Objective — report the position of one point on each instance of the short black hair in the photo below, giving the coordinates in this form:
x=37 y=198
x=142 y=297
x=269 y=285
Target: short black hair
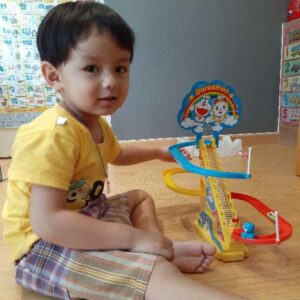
x=67 y=23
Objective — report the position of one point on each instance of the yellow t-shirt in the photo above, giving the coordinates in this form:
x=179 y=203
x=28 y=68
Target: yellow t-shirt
x=54 y=150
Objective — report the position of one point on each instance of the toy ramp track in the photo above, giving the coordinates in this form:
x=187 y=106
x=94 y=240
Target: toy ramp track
x=285 y=228
x=189 y=167
x=218 y=222
x=217 y=216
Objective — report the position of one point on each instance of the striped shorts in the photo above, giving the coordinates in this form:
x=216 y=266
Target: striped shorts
x=64 y=273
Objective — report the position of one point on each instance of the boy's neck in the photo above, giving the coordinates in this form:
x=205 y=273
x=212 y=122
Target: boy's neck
x=88 y=120
x=91 y=122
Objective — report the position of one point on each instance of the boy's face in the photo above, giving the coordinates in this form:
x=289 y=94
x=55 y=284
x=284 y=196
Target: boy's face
x=94 y=81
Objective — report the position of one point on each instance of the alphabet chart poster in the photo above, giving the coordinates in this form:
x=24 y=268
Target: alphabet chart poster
x=290 y=74
x=24 y=94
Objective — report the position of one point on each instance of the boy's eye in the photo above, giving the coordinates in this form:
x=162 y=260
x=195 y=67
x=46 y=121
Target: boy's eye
x=121 y=69
x=91 y=69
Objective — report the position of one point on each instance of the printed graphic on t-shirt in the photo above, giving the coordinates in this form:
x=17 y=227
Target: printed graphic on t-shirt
x=81 y=192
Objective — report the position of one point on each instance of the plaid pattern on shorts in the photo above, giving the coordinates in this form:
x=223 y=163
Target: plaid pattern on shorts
x=64 y=273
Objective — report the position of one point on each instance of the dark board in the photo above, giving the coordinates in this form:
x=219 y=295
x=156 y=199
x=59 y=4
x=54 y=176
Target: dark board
x=181 y=42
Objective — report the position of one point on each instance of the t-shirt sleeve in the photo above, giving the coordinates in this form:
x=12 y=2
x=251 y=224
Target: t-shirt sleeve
x=112 y=144
x=44 y=158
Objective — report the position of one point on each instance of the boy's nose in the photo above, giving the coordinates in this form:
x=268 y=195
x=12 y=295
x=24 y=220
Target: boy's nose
x=108 y=80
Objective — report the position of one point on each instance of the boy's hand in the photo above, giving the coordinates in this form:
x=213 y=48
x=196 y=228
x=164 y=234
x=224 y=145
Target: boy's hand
x=165 y=155
x=153 y=243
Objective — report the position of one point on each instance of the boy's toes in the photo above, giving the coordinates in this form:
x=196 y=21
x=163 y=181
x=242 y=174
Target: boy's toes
x=204 y=266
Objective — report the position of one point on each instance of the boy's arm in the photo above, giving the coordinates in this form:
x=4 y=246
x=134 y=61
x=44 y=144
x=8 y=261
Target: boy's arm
x=133 y=154
x=53 y=223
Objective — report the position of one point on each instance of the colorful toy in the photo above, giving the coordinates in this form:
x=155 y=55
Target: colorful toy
x=217 y=105
x=249 y=231
x=211 y=103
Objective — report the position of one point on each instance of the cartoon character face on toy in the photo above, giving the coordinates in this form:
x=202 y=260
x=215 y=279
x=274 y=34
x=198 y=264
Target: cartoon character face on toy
x=198 y=112
x=209 y=103
x=202 y=108
x=220 y=107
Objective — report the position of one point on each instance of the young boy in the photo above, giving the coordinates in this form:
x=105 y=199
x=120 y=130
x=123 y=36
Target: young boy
x=68 y=239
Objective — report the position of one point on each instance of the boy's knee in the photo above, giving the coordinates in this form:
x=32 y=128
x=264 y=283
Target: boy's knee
x=140 y=195
x=144 y=195
x=136 y=197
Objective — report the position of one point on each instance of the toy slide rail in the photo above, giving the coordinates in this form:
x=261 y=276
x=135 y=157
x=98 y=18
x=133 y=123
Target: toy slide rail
x=285 y=228
x=167 y=175
x=211 y=161
x=188 y=166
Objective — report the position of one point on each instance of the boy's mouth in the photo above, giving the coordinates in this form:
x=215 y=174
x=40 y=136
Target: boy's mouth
x=108 y=98
x=107 y=102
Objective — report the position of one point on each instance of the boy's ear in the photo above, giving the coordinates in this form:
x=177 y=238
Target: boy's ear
x=51 y=75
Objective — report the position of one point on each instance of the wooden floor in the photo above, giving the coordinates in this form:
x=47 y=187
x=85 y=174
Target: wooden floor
x=270 y=272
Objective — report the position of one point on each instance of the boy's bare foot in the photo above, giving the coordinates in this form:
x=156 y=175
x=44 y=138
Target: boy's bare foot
x=192 y=256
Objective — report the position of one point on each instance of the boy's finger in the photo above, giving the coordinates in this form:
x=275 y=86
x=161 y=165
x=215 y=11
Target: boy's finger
x=186 y=153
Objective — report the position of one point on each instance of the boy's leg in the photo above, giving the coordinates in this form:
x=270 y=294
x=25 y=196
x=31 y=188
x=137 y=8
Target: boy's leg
x=190 y=256
x=142 y=210
x=65 y=273
x=166 y=282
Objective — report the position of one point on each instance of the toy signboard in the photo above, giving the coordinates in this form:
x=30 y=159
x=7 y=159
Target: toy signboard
x=209 y=103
